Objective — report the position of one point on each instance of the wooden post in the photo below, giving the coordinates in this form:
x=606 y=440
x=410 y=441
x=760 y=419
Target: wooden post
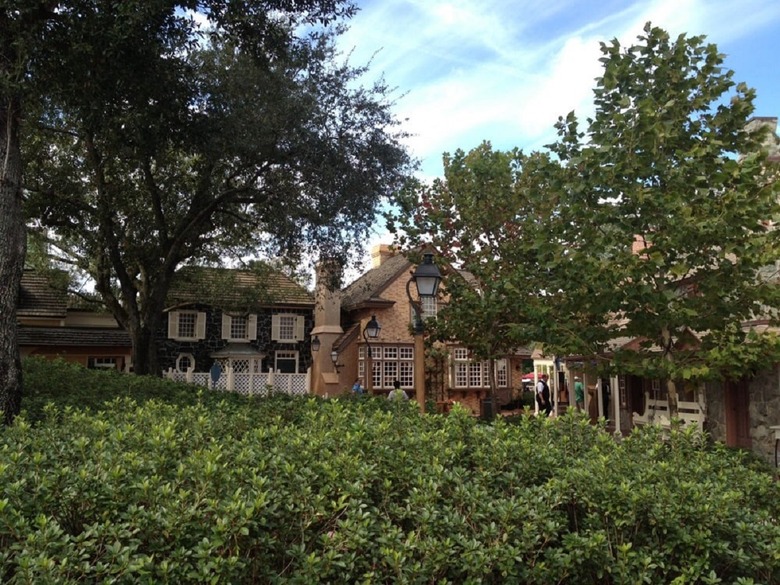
x=419 y=370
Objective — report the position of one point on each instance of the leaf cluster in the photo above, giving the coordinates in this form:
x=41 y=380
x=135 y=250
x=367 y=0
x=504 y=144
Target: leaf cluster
x=654 y=223
x=304 y=490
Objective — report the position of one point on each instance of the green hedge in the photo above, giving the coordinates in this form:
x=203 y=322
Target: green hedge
x=200 y=487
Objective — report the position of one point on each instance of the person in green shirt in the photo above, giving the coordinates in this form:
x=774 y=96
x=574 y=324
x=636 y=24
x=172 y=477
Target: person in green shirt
x=579 y=393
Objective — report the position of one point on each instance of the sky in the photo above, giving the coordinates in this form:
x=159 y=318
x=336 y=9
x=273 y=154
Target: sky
x=465 y=71
x=472 y=70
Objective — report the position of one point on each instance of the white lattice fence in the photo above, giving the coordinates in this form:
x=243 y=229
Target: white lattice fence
x=295 y=384
x=246 y=382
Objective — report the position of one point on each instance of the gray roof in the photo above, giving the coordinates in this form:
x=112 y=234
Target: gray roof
x=369 y=287
x=38 y=298
x=73 y=336
x=239 y=289
x=237 y=350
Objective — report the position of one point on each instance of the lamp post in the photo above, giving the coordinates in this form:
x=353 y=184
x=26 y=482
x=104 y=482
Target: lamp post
x=371 y=331
x=426 y=278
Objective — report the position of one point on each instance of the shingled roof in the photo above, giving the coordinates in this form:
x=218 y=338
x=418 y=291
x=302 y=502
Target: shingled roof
x=239 y=289
x=73 y=337
x=368 y=288
x=38 y=298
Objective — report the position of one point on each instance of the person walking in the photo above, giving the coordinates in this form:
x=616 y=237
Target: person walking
x=543 y=396
x=579 y=393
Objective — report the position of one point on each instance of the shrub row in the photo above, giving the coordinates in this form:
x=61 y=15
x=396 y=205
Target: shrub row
x=206 y=488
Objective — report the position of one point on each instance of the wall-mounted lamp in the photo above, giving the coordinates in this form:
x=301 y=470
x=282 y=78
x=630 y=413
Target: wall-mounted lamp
x=334 y=357
x=315 y=343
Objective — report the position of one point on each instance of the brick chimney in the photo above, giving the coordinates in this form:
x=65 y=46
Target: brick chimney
x=380 y=253
x=327 y=327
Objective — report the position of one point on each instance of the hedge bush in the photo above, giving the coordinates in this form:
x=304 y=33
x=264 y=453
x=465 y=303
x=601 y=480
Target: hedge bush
x=173 y=485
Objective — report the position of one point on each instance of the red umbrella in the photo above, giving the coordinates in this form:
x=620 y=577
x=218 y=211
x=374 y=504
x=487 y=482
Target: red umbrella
x=528 y=377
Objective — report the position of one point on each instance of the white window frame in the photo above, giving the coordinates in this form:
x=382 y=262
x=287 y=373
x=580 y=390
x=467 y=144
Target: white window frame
x=174 y=330
x=183 y=356
x=285 y=354
x=429 y=308
x=103 y=362
x=467 y=373
x=277 y=329
x=227 y=327
x=388 y=363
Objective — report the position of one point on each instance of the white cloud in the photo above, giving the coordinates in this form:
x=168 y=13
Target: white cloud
x=504 y=71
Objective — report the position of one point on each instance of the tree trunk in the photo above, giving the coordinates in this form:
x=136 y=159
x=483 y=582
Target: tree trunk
x=145 y=360
x=671 y=387
x=13 y=243
x=671 y=398
x=492 y=392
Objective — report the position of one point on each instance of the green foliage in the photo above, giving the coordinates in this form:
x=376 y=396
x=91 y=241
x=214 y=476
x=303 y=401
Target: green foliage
x=651 y=223
x=669 y=163
x=202 y=488
x=479 y=217
x=170 y=133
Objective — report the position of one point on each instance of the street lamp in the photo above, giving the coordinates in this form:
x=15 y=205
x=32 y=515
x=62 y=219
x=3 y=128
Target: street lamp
x=426 y=279
x=371 y=331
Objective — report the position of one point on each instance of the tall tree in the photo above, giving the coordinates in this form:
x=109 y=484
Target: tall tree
x=483 y=217
x=178 y=142
x=668 y=230
x=22 y=25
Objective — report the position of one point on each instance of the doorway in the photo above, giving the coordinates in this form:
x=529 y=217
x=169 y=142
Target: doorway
x=737 y=398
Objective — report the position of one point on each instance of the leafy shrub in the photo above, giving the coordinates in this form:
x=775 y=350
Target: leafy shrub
x=169 y=485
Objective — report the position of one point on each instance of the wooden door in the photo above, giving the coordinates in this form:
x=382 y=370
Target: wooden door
x=737 y=414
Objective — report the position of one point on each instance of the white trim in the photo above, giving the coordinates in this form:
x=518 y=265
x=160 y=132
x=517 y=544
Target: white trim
x=174 y=325
x=297 y=328
x=188 y=356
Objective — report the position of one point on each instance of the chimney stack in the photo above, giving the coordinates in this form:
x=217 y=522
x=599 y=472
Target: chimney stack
x=380 y=253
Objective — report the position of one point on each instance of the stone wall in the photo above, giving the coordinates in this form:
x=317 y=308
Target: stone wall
x=168 y=350
x=764 y=412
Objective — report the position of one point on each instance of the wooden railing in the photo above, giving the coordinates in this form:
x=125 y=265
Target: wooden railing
x=657 y=412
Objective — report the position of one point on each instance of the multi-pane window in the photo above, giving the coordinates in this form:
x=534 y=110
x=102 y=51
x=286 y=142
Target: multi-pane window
x=239 y=327
x=186 y=325
x=287 y=362
x=102 y=363
x=476 y=374
x=389 y=363
x=185 y=362
x=428 y=307
x=287 y=328
x=502 y=377
x=187 y=320
x=406 y=373
x=461 y=356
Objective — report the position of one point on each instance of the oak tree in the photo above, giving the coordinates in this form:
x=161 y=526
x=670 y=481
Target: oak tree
x=179 y=142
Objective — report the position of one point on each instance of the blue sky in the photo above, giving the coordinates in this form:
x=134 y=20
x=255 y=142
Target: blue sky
x=498 y=70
